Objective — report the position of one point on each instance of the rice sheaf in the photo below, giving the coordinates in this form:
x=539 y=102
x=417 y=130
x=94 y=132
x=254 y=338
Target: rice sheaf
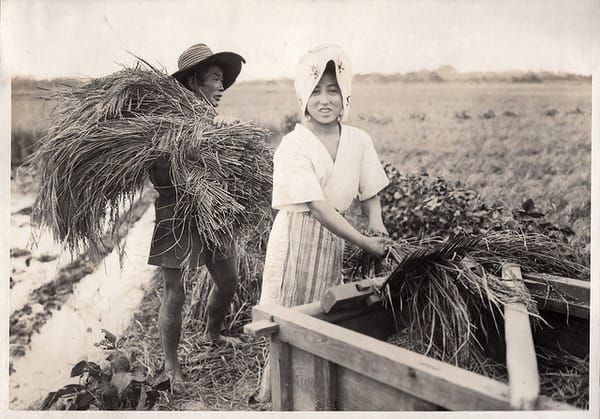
x=106 y=133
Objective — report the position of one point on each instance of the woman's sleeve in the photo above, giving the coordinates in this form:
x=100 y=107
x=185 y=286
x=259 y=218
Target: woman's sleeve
x=294 y=179
x=372 y=176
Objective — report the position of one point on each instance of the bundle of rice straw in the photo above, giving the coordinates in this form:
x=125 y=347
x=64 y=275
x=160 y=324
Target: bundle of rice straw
x=106 y=134
x=533 y=252
x=449 y=292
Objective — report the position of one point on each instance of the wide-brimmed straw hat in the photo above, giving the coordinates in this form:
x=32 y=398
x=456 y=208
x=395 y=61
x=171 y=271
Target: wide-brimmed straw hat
x=199 y=55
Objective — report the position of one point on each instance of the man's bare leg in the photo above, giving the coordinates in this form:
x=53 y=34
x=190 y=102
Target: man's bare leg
x=225 y=278
x=169 y=320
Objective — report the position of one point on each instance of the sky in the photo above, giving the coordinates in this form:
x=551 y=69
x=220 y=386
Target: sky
x=90 y=38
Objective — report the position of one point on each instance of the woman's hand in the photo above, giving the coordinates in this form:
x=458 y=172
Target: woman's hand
x=376 y=227
x=374 y=245
x=223 y=120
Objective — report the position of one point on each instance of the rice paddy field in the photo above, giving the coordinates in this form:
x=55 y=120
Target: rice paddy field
x=509 y=142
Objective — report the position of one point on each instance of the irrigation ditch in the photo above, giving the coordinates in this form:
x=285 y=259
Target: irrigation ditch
x=61 y=307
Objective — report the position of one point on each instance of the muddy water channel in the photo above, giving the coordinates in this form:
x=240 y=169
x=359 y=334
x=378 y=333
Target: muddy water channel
x=104 y=299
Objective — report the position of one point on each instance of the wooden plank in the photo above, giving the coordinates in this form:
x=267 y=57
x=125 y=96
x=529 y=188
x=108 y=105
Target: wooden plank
x=358 y=392
x=281 y=376
x=325 y=384
x=415 y=374
x=261 y=328
x=258 y=313
x=560 y=295
x=576 y=288
x=561 y=307
x=546 y=403
x=521 y=362
x=303 y=380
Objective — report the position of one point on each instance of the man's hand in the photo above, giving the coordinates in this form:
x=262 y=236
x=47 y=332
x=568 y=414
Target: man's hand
x=223 y=120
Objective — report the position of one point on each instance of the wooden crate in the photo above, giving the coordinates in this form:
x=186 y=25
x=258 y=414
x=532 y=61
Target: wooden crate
x=337 y=361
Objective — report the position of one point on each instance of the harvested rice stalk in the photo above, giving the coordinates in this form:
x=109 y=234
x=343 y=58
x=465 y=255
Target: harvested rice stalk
x=446 y=297
x=449 y=299
x=475 y=361
x=408 y=261
x=106 y=133
x=446 y=304
x=564 y=376
x=533 y=252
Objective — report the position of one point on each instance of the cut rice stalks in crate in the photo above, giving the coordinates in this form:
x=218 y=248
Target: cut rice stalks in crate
x=460 y=321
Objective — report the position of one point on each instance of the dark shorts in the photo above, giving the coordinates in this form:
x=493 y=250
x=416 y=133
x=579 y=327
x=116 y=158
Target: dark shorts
x=176 y=246
x=173 y=242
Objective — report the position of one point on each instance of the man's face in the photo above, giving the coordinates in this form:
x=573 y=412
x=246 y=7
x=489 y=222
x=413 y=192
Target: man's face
x=211 y=85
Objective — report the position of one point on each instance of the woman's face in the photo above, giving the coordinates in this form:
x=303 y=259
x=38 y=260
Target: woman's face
x=325 y=102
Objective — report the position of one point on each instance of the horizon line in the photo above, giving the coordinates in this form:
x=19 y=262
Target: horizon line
x=445 y=67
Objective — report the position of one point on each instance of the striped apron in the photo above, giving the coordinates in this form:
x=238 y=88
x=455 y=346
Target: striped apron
x=312 y=261
x=303 y=259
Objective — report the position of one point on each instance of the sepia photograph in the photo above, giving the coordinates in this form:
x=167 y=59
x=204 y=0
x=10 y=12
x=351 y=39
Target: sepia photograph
x=381 y=208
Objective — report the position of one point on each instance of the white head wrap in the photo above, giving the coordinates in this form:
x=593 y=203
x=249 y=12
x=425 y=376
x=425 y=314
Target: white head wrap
x=310 y=70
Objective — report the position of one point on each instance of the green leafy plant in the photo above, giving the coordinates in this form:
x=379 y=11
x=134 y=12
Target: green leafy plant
x=119 y=382
x=420 y=206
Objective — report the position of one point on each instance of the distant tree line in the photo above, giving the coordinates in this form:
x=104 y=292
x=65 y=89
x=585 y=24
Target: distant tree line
x=449 y=74
x=442 y=74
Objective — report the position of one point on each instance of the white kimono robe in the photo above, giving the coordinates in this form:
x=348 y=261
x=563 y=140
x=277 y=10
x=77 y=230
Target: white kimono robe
x=301 y=249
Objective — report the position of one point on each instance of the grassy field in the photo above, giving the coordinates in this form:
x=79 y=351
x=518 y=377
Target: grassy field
x=507 y=141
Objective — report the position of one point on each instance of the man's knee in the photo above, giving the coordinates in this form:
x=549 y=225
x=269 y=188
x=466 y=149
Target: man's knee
x=173 y=290
x=225 y=278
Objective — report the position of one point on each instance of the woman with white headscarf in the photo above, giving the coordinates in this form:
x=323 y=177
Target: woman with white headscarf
x=319 y=168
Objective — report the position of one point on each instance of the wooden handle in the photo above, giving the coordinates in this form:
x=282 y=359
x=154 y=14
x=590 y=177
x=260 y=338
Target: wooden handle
x=351 y=294
x=521 y=362
x=261 y=328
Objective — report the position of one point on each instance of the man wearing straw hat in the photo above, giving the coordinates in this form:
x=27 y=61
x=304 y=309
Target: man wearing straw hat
x=176 y=246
